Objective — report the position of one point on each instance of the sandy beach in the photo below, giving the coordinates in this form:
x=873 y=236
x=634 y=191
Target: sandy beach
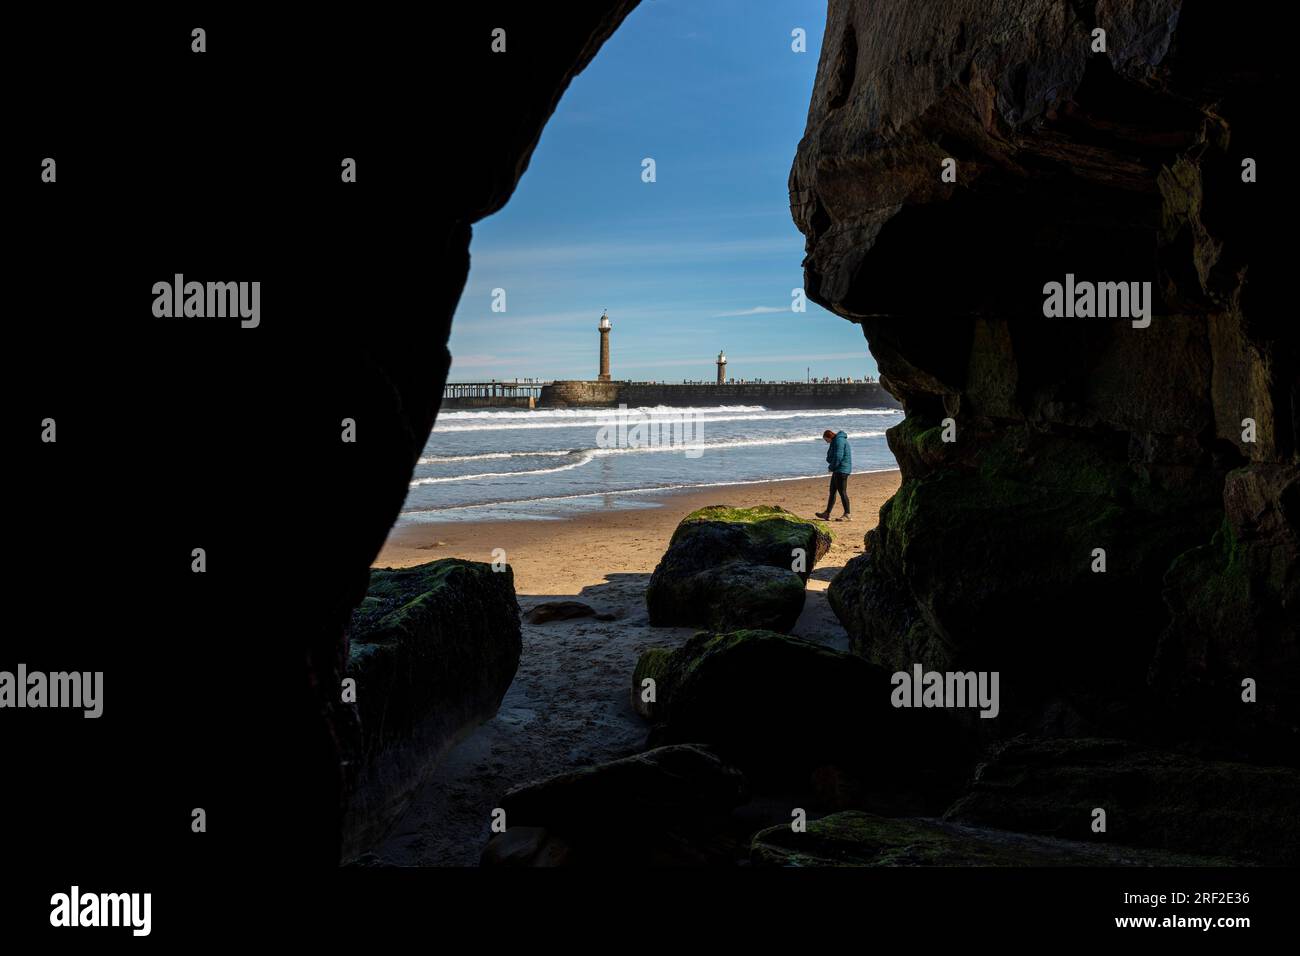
x=561 y=557
x=569 y=704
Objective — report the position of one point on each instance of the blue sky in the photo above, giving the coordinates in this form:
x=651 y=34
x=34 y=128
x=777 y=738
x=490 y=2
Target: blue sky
x=705 y=257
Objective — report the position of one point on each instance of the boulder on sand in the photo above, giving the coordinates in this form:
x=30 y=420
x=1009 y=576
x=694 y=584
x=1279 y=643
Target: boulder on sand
x=780 y=708
x=549 y=611
x=667 y=806
x=728 y=568
x=651 y=666
x=433 y=650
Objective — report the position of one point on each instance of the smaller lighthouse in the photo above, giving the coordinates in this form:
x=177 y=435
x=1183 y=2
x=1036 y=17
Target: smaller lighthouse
x=722 y=367
x=604 y=346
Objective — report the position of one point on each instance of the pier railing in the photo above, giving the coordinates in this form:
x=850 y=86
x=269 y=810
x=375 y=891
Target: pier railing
x=511 y=388
x=536 y=393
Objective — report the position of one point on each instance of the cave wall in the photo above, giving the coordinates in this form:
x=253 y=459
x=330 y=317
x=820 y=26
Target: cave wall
x=1071 y=434
x=486 y=116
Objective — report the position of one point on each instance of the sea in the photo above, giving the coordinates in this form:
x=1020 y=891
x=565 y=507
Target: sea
x=546 y=464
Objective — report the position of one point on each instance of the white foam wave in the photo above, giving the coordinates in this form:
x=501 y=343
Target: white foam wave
x=441 y=459
x=502 y=474
x=657 y=489
x=601 y=452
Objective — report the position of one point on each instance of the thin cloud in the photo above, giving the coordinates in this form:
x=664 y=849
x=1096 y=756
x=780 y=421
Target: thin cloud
x=756 y=310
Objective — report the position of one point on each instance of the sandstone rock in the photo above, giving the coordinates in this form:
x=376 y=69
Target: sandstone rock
x=985 y=564
x=1235 y=606
x=1152 y=798
x=853 y=838
x=652 y=665
x=558 y=611
x=433 y=650
x=728 y=568
x=667 y=806
x=1071 y=435
x=781 y=708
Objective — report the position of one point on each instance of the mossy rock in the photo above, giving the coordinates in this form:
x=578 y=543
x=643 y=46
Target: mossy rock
x=971 y=558
x=1235 y=612
x=853 y=838
x=780 y=707
x=729 y=568
x=433 y=650
x=1152 y=798
x=652 y=665
x=667 y=806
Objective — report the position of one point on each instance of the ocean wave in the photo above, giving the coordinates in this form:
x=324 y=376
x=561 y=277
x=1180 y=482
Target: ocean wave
x=654 y=489
x=501 y=474
x=483 y=456
x=600 y=452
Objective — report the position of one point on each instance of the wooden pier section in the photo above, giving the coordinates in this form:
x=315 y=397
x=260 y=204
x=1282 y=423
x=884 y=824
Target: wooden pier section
x=514 y=393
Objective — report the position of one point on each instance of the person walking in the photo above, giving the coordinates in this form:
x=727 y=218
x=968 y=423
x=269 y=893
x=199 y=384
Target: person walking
x=839 y=462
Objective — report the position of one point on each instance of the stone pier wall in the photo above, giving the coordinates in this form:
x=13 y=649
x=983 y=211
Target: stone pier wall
x=771 y=395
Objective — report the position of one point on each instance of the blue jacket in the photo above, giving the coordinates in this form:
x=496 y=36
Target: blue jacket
x=838 y=456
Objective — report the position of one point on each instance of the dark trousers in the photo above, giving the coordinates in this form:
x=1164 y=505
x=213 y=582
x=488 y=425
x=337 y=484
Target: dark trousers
x=840 y=483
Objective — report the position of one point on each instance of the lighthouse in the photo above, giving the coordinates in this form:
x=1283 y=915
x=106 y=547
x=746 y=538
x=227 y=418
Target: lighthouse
x=604 y=328
x=722 y=367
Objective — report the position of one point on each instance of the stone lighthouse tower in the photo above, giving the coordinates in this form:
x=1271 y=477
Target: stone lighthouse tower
x=722 y=367
x=604 y=346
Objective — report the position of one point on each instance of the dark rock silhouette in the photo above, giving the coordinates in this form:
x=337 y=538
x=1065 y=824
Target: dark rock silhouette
x=782 y=709
x=433 y=650
x=1070 y=434
x=853 y=838
x=1152 y=798
x=729 y=568
x=390 y=375
x=667 y=806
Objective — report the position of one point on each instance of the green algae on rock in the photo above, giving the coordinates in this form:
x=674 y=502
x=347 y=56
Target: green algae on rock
x=729 y=568
x=433 y=650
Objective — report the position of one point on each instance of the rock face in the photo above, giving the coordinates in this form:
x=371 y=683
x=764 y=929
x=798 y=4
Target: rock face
x=1153 y=799
x=662 y=807
x=852 y=838
x=1070 y=434
x=729 y=568
x=653 y=666
x=784 y=709
x=387 y=372
x=433 y=650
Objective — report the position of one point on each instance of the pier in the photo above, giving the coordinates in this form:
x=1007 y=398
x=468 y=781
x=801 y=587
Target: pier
x=537 y=393
x=513 y=393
